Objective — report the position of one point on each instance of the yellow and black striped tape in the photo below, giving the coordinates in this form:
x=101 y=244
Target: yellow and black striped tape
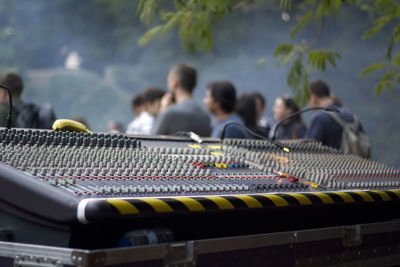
x=213 y=203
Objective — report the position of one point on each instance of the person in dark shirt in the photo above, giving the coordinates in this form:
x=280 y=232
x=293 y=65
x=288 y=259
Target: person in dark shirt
x=246 y=107
x=220 y=100
x=292 y=128
x=323 y=127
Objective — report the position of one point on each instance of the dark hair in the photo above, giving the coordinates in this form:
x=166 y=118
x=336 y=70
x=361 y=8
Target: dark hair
x=261 y=97
x=186 y=75
x=289 y=103
x=246 y=108
x=152 y=94
x=137 y=100
x=13 y=81
x=319 y=88
x=223 y=92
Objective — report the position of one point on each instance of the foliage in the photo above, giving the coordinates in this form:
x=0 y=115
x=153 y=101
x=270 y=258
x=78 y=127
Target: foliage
x=196 y=18
x=388 y=14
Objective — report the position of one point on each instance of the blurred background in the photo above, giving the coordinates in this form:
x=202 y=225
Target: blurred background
x=83 y=57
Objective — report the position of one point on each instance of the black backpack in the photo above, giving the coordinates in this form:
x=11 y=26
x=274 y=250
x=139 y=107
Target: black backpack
x=33 y=116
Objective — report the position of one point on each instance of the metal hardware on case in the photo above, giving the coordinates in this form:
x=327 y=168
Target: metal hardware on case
x=352 y=236
x=181 y=254
x=32 y=261
x=83 y=259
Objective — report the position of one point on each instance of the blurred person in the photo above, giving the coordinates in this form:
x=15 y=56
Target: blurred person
x=262 y=121
x=246 y=108
x=292 y=128
x=137 y=104
x=150 y=107
x=179 y=112
x=14 y=82
x=137 y=108
x=220 y=100
x=115 y=127
x=24 y=115
x=81 y=120
x=323 y=127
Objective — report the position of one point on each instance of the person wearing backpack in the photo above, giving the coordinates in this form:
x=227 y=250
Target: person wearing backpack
x=340 y=130
x=24 y=115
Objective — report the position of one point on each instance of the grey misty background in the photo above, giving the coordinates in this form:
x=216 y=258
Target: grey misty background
x=36 y=37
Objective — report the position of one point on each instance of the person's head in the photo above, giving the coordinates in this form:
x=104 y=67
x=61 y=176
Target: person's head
x=246 y=107
x=137 y=104
x=152 y=99
x=220 y=97
x=14 y=82
x=284 y=106
x=320 y=93
x=182 y=77
x=260 y=104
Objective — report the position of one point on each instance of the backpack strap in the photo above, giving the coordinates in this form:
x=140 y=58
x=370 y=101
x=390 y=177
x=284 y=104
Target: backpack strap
x=341 y=122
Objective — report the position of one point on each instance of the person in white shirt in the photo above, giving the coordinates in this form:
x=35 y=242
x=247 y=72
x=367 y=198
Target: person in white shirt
x=143 y=123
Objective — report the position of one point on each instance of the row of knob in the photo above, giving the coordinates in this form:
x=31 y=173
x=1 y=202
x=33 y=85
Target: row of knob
x=54 y=138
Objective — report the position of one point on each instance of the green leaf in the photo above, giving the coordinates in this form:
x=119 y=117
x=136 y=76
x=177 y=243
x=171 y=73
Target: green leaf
x=140 y=7
x=384 y=82
x=175 y=20
x=287 y=4
x=371 y=68
x=389 y=49
x=149 y=35
x=283 y=49
x=147 y=10
x=295 y=73
x=380 y=23
x=386 y=6
x=396 y=34
x=318 y=58
x=260 y=62
x=180 y=4
x=396 y=60
x=306 y=18
x=325 y=6
x=285 y=60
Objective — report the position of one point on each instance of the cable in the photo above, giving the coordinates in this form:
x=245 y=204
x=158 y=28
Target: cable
x=278 y=144
x=9 y=118
x=273 y=137
x=259 y=136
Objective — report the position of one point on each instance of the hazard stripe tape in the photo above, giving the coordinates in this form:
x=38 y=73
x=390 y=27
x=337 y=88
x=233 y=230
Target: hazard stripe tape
x=326 y=199
x=132 y=206
x=123 y=206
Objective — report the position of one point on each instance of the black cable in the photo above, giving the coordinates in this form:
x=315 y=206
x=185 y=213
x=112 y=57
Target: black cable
x=244 y=127
x=278 y=144
x=273 y=137
x=181 y=133
x=9 y=119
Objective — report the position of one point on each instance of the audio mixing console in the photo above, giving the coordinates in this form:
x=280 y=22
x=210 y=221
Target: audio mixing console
x=88 y=190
